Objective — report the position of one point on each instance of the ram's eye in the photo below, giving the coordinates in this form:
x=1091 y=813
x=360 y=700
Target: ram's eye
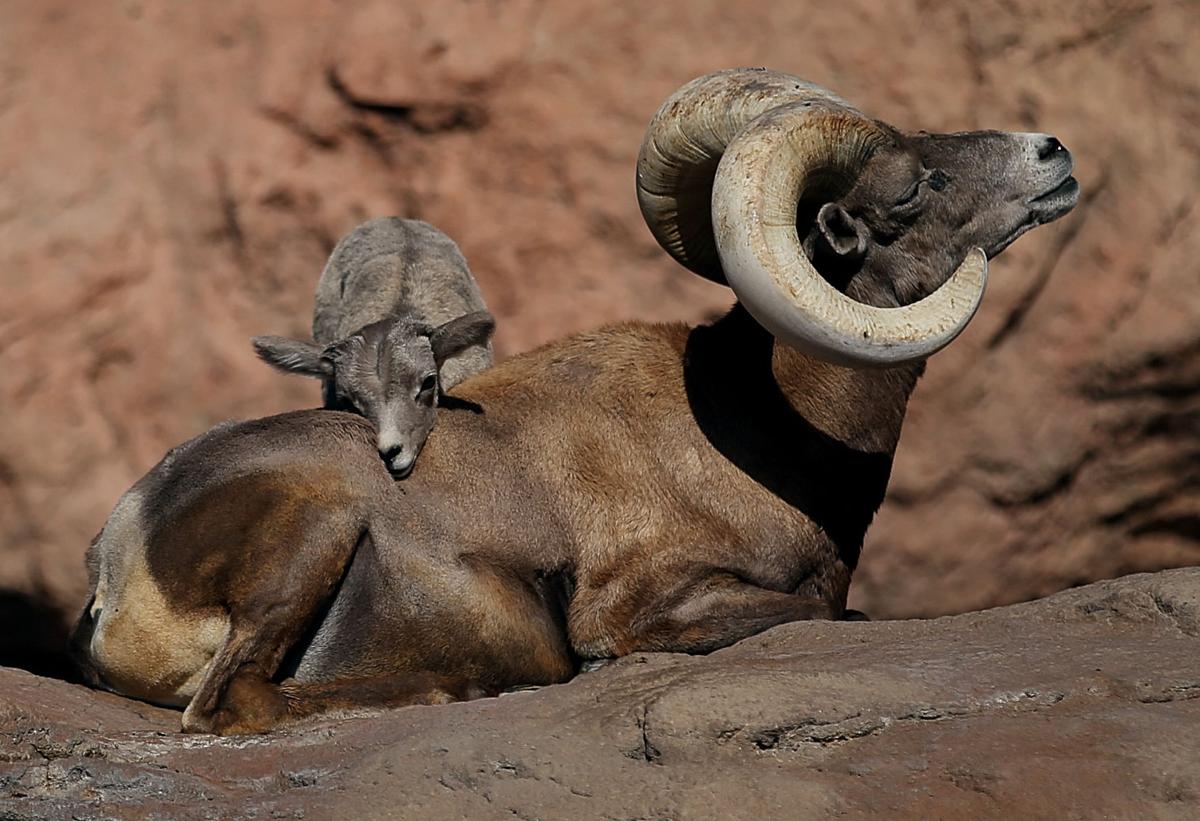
x=938 y=180
x=429 y=383
x=911 y=194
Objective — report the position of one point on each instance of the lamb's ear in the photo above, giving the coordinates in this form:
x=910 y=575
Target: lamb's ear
x=293 y=356
x=459 y=334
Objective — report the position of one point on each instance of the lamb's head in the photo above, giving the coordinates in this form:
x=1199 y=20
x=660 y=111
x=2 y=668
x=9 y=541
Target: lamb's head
x=760 y=180
x=387 y=372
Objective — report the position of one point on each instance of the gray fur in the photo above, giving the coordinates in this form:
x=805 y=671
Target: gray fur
x=398 y=320
x=392 y=266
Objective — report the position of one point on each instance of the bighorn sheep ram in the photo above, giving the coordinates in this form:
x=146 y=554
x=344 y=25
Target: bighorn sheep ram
x=641 y=487
x=398 y=321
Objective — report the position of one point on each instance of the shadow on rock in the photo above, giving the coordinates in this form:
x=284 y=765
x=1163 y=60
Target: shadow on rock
x=34 y=636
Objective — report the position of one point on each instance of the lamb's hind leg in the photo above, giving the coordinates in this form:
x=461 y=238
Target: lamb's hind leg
x=703 y=610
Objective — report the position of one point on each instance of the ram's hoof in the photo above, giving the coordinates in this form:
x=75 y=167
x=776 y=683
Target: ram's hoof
x=592 y=665
x=520 y=688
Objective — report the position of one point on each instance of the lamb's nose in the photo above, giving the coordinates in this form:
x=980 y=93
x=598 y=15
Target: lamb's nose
x=1049 y=148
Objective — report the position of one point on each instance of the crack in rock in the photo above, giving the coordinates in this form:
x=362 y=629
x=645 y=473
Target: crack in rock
x=422 y=118
x=647 y=752
x=797 y=735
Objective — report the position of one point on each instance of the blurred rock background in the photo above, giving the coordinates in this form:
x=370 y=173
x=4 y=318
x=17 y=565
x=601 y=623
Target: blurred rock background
x=173 y=175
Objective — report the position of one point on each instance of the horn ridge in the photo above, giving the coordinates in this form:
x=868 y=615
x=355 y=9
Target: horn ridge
x=684 y=143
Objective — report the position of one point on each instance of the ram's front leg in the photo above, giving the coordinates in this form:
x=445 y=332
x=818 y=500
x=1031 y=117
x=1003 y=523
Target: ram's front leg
x=700 y=610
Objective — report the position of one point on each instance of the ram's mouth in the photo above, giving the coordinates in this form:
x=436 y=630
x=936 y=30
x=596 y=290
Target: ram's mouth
x=1058 y=200
x=1043 y=208
x=401 y=472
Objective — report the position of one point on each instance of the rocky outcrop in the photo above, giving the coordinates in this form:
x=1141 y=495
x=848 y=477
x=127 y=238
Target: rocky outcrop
x=172 y=178
x=1076 y=706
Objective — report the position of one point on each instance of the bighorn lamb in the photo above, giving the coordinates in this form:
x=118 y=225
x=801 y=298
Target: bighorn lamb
x=398 y=321
x=640 y=487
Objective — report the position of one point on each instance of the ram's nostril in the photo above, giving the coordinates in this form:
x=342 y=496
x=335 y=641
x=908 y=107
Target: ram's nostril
x=392 y=452
x=1049 y=148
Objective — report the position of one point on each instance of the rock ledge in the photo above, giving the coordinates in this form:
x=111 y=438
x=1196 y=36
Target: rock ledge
x=1084 y=702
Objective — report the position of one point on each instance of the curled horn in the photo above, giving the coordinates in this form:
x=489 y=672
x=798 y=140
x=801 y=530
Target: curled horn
x=724 y=165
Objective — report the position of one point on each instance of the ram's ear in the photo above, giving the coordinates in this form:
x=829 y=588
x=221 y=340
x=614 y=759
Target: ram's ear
x=459 y=334
x=845 y=235
x=293 y=356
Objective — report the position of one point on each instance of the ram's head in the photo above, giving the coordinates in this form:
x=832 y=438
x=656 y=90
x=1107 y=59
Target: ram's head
x=846 y=238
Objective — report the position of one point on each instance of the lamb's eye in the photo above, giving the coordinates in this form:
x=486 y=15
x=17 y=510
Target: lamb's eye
x=429 y=383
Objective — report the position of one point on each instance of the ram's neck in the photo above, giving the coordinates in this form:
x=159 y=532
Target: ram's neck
x=861 y=408
x=743 y=365
x=818 y=436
